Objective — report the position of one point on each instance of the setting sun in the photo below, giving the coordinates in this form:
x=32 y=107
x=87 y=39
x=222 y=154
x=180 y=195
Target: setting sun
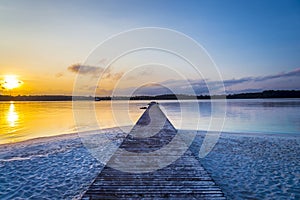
x=11 y=82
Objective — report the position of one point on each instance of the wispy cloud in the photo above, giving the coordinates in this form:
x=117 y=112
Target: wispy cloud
x=58 y=75
x=85 y=69
x=285 y=80
x=295 y=72
x=95 y=71
x=148 y=89
x=112 y=76
x=231 y=82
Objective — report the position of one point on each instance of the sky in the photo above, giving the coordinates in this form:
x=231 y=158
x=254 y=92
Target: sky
x=254 y=44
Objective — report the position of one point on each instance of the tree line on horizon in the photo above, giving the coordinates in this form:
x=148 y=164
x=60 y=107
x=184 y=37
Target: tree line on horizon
x=255 y=95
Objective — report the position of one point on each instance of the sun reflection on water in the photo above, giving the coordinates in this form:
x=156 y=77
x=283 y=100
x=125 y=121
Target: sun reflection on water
x=12 y=115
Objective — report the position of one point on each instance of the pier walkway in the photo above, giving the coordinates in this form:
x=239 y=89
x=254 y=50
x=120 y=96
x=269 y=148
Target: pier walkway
x=153 y=163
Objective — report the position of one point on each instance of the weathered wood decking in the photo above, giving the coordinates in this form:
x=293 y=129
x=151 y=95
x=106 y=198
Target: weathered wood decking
x=128 y=175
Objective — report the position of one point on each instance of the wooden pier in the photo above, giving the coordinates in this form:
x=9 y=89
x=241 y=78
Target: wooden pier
x=128 y=175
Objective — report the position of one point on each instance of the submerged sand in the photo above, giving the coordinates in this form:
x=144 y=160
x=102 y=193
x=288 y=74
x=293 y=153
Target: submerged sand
x=252 y=166
x=245 y=166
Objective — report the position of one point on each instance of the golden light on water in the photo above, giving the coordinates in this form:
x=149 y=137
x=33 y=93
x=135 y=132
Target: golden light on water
x=11 y=82
x=12 y=115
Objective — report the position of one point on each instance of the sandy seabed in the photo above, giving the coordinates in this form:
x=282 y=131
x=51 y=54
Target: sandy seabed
x=253 y=166
x=246 y=166
x=58 y=167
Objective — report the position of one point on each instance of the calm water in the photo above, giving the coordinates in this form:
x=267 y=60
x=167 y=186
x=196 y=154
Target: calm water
x=26 y=120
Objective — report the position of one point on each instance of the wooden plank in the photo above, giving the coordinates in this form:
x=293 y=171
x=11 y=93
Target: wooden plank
x=185 y=178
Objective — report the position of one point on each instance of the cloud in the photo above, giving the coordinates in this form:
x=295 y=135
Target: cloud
x=102 y=91
x=85 y=69
x=244 y=91
x=236 y=81
x=154 y=89
x=281 y=81
x=146 y=72
x=285 y=81
x=102 y=62
x=295 y=72
x=150 y=89
x=112 y=76
x=95 y=71
x=58 y=75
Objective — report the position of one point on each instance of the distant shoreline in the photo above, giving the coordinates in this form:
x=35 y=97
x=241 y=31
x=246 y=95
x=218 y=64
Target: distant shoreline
x=256 y=95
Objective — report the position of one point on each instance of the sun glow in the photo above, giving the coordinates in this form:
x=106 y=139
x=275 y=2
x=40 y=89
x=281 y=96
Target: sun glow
x=11 y=82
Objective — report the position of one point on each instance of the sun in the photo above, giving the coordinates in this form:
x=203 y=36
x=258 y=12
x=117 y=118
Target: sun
x=11 y=82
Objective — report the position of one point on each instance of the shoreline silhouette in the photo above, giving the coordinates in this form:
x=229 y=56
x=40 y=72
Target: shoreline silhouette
x=255 y=95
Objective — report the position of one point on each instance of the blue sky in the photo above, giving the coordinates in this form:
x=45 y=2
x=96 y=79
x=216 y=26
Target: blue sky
x=40 y=39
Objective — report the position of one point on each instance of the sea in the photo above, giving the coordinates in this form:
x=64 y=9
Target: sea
x=256 y=156
x=20 y=121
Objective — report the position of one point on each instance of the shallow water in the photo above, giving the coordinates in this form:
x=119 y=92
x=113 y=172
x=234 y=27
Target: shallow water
x=254 y=167
x=244 y=166
x=242 y=115
x=21 y=121
x=50 y=168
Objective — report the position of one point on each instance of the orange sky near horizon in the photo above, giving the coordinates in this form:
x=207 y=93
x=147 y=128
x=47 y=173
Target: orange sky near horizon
x=44 y=85
x=255 y=49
